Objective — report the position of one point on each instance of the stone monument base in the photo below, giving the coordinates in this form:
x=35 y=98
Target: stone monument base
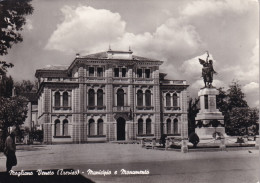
x=207 y=132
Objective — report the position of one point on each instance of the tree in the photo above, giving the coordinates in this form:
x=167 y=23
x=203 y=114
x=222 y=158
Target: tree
x=254 y=116
x=12 y=19
x=193 y=109
x=236 y=98
x=24 y=86
x=6 y=83
x=236 y=112
x=13 y=112
x=6 y=86
x=244 y=121
x=194 y=139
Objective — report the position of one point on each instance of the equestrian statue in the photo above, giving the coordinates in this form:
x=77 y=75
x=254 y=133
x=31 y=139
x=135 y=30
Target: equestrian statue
x=207 y=71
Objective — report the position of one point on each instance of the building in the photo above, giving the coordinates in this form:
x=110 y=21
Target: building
x=110 y=96
x=31 y=122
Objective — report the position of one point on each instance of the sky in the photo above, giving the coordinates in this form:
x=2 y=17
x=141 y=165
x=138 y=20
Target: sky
x=177 y=32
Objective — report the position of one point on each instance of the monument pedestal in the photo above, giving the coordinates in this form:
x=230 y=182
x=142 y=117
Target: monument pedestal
x=209 y=120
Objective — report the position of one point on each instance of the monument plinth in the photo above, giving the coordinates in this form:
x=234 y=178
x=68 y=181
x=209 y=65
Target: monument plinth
x=209 y=120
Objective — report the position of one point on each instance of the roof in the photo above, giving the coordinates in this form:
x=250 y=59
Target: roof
x=55 y=67
x=100 y=55
x=104 y=55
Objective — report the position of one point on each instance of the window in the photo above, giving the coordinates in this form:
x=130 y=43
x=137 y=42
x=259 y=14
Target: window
x=140 y=126
x=57 y=99
x=123 y=72
x=175 y=126
x=65 y=128
x=116 y=72
x=148 y=126
x=91 y=127
x=120 y=97
x=65 y=99
x=99 y=72
x=147 y=98
x=139 y=98
x=147 y=73
x=168 y=100
x=91 y=97
x=139 y=73
x=91 y=71
x=100 y=97
x=169 y=126
x=206 y=101
x=175 y=100
x=100 y=127
x=57 y=128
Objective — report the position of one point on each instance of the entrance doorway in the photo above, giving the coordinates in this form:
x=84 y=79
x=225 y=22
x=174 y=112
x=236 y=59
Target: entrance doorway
x=120 y=128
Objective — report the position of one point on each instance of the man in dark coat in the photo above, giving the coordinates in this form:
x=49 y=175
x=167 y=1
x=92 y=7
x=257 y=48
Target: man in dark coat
x=10 y=149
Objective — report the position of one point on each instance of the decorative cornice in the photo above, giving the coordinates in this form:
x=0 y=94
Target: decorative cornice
x=123 y=62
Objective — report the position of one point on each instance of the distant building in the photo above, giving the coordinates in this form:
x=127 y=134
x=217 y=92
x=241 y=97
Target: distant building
x=110 y=96
x=32 y=115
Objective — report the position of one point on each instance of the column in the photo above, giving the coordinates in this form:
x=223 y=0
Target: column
x=61 y=97
x=111 y=132
x=171 y=94
x=95 y=95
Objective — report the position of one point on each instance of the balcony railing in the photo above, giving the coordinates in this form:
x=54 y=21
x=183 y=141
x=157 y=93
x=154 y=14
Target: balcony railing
x=96 y=107
x=173 y=82
x=121 y=108
x=144 y=107
x=62 y=108
x=172 y=108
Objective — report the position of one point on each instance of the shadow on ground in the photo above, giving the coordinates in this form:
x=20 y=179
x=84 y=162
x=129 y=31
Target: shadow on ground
x=35 y=178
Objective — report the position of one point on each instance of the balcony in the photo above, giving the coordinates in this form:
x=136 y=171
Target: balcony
x=172 y=108
x=94 y=79
x=121 y=108
x=62 y=108
x=96 y=107
x=144 y=107
x=120 y=79
x=173 y=82
x=59 y=80
x=143 y=80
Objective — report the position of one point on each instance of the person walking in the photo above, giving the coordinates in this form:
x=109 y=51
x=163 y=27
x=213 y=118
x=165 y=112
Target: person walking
x=9 y=151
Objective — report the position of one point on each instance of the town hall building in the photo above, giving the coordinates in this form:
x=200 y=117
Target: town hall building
x=110 y=96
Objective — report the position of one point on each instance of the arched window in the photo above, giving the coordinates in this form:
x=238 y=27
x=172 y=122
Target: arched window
x=148 y=126
x=139 y=98
x=140 y=126
x=57 y=128
x=175 y=100
x=120 y=97
x=91 y=97
x=169 y=126
x=57 y=99
x=147 y=98
x=65 y=99
x=65 y=127
x=100 y=97
x=91 y=127
x=175 y=126
x=168 y=100
x=100 y=127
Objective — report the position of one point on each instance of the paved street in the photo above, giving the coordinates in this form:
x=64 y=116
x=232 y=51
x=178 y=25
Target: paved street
x=163 y=166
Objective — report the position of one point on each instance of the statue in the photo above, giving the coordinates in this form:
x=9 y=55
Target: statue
x=207 y=71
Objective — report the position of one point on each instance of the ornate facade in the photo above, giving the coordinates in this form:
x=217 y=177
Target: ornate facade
x=110 y=96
